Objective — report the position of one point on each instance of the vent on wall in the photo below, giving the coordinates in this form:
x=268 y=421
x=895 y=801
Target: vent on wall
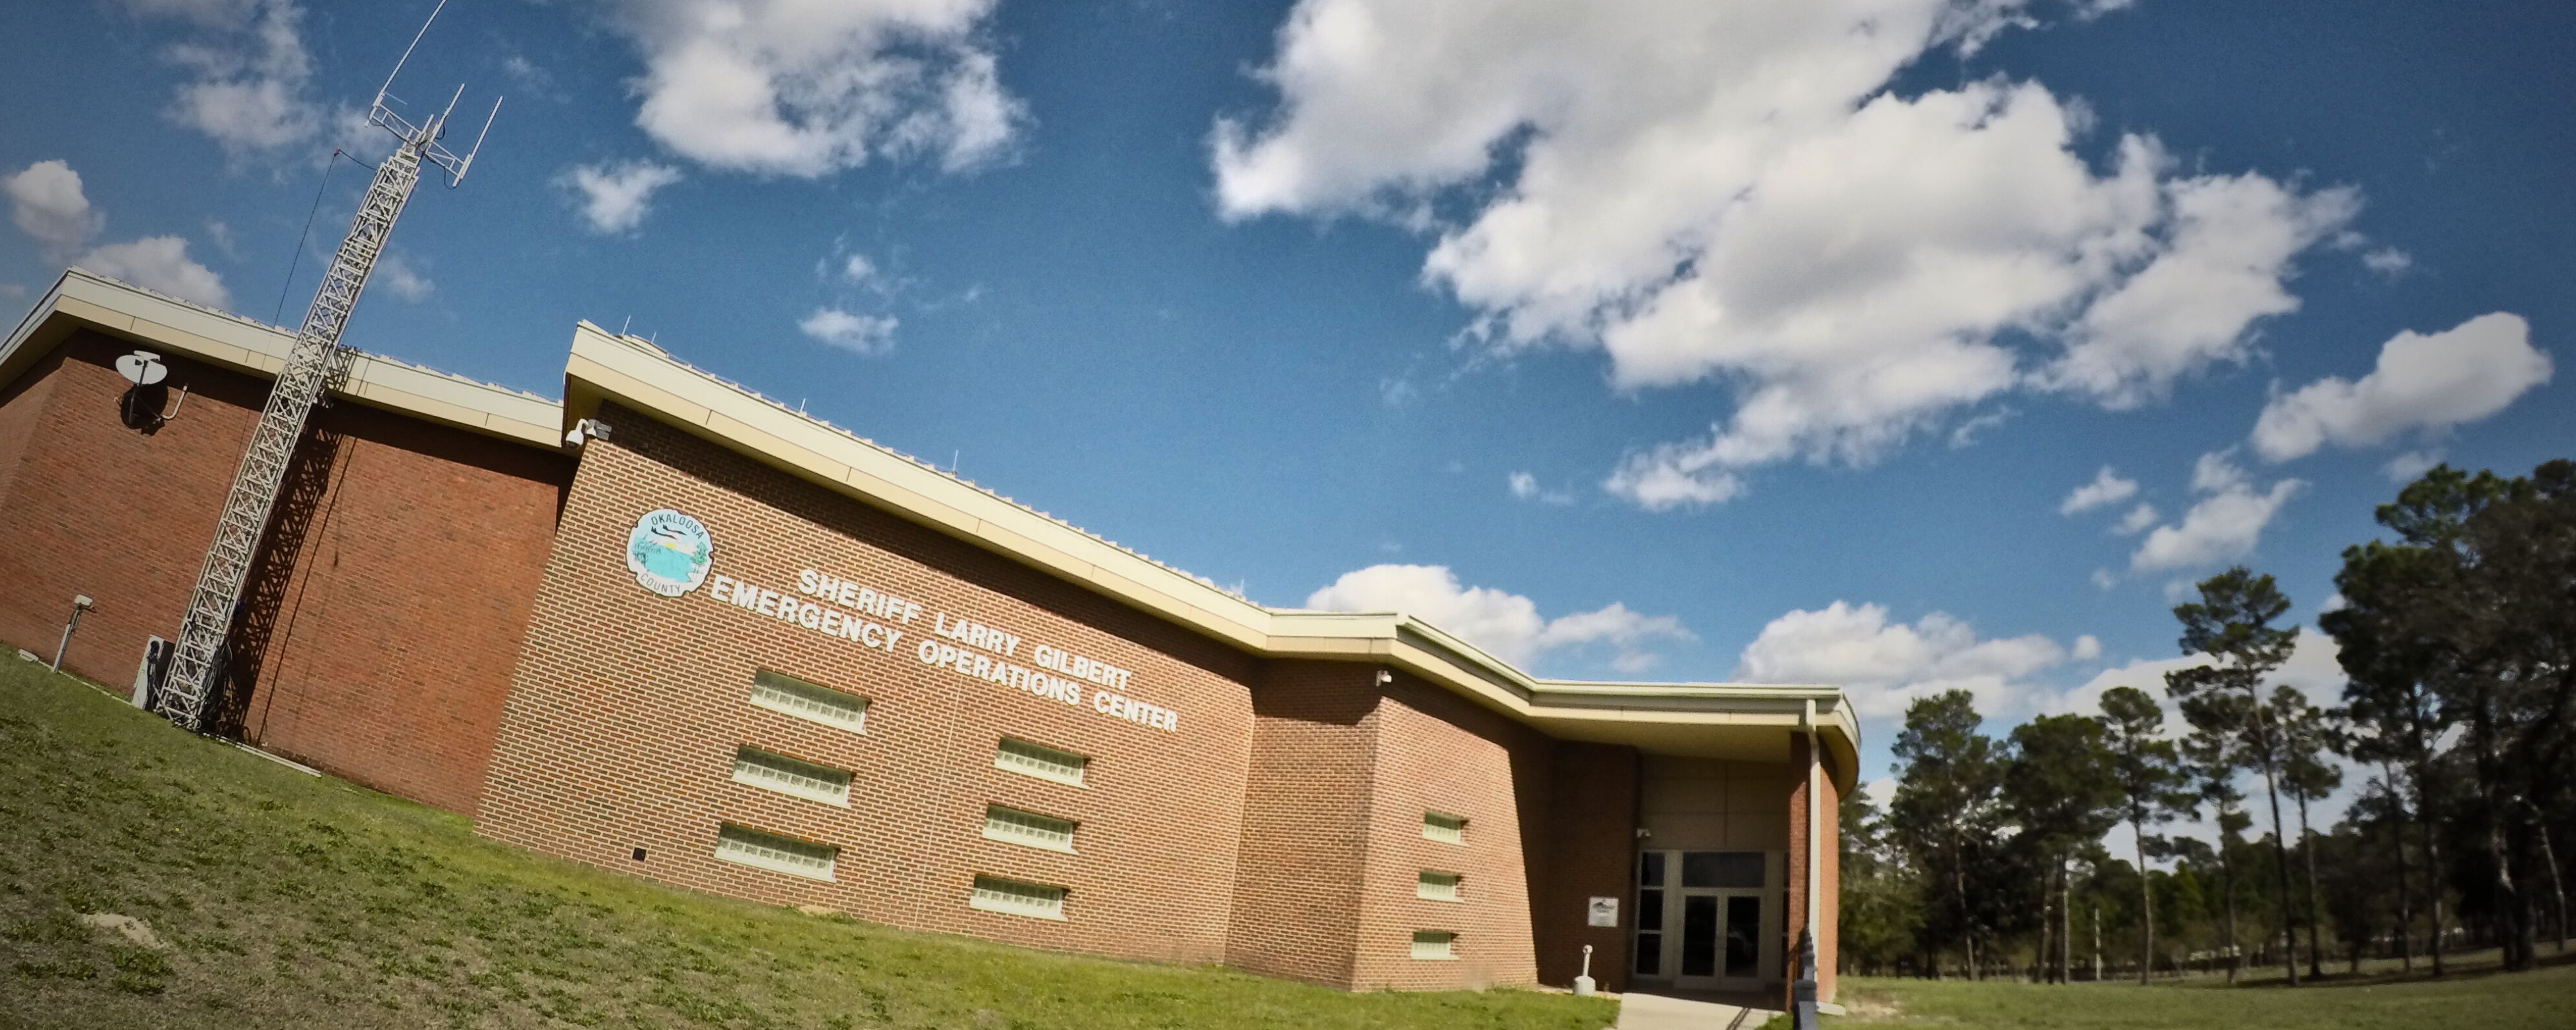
x=1438 y=886
x=1435 y=944
x=1038 y=760
x=1011 y=897
x=1447 y=829
x=747 y=846
x=1030 y=828
x=809 y=701
x=770 y=771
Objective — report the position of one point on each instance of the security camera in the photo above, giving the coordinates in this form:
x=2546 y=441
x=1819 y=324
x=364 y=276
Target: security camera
x=1384 y=677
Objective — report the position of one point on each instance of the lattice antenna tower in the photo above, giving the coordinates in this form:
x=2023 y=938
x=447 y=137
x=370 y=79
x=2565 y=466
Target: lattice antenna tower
x=316 y=366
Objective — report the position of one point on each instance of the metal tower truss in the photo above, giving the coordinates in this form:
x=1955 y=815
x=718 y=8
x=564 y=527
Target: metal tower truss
x=317 y=365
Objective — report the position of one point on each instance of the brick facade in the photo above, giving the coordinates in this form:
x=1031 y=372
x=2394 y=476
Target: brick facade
x=383 y=618
x=450 y=617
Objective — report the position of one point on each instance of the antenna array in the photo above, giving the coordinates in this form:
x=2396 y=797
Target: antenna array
x=317 y=365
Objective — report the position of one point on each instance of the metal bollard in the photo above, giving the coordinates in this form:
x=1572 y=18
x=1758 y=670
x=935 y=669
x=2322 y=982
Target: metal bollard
x=80 y=603
x=1802 y=995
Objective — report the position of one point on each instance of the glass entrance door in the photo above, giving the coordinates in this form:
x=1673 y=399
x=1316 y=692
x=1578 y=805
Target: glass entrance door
x=1701 y=919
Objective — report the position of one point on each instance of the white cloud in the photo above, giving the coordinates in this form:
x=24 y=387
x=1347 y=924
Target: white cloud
x=1504 y=624
x=2223 y=526
x=249 y=72
x=1880 y=791
x=1525 y=486
x=2410 y=464
x=2137 y=520
x=1883 y=665
x=2333 y=603
x=2216 y=471
x=395 y=272
x=2388 y=261
x=2087 y=647
x=159 y=263
x=46 y=202
x=2106 y=488
x=864 y=334
x=2105 y=578
x=857 y=269
x=615 y=196
x=2422 y=383
x=1727 y=193
x=2312 y=668
x=2229 y=247
x=793 y=87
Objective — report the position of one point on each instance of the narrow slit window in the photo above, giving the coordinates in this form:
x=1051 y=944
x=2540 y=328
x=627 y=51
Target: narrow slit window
x=1438 y=886
x=809 y=701
x=1435 y=944
x=1012 y=897
x=747 y=846
x=1038 y=760
x=1030 y=828
x=771 y=771
x=1447 y=829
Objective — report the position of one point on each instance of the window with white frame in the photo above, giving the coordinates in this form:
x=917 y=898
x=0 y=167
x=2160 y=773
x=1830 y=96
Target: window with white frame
x=1435 y=944
x=1447 y=829
x=1438 y=886
x=1018 y=827
x=1041 y=761
x=1012 y=897
x=809 y=701
x=772 y=771
x=747 y=846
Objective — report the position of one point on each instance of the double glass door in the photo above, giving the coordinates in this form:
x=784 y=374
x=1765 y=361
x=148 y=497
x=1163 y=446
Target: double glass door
x=1701 y=919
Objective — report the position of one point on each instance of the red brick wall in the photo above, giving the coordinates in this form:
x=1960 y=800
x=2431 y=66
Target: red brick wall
x=1439 y=752
x=1829 y=867
x=401 y=602
x=1306 y=821
x=1591 y=842
x=381 y=647
x=628 y=708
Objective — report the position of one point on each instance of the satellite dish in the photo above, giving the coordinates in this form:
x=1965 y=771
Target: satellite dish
x=142 y=368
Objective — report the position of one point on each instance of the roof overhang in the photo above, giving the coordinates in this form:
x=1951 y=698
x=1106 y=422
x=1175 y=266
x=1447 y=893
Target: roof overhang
x=85 y=300
x=1746 y=721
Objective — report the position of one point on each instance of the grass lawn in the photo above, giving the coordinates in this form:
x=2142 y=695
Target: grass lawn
x=283 y=900
x=2474 y=994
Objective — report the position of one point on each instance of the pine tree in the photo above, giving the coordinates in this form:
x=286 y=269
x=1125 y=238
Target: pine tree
x=2232 y=626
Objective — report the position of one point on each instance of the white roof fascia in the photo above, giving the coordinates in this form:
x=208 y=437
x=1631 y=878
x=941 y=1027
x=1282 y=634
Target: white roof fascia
x=175 y=326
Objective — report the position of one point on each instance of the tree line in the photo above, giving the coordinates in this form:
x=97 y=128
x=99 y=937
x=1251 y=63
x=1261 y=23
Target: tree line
x=2457 y=641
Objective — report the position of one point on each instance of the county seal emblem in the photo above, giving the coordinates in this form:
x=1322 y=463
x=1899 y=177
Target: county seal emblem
x=668 y=552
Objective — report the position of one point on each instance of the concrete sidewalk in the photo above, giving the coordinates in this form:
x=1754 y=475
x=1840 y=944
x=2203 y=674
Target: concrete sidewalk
x=1657 y=1012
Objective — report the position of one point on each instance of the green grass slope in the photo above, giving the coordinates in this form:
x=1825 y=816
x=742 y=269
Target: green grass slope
x=283 y=900
x=2474 y=995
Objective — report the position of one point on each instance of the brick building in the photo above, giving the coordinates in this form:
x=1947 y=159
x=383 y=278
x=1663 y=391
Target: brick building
x=670 y=628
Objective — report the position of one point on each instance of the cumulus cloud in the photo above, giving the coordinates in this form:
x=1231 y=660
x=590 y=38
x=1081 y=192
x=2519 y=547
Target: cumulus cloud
x=248 y=69
x=2087 y=647
x=784 y=87
x=2422 y=384
x=2222 y=526
x=1882 y=665
x=2137 y=520
x=1727 y=193
x=396 y=272
x=1504 y=624
x=870 y=335
x=1525 y=486
x=159 y=263
x=2388 y=261
x=46 y=202
x=2410 y=464
x=615 y=196
x=2106 y=488
x=2312 y=668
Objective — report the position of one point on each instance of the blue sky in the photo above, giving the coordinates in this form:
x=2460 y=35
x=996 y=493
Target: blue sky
x=1689 y=340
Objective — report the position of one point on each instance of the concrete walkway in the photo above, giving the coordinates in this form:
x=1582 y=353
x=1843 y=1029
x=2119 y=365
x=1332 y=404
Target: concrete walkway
x=1657 y=1012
